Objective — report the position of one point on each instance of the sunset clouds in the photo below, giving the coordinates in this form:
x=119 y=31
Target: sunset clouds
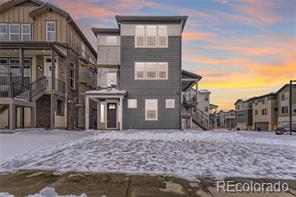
x=242 y=48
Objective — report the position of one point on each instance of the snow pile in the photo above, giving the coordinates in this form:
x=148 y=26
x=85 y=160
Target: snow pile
x=46 y=192
x=189 y=154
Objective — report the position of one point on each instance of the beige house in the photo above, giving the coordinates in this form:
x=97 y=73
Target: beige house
x=283 y=105
x=265 y=112
x=44 y=66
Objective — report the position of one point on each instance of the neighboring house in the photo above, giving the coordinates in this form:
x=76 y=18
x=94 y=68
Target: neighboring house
x=283 y=95
x=229 y=119
x=44 y=66
x=140 y=79
x=243 y=114
x=220 y=119
x=265 y=110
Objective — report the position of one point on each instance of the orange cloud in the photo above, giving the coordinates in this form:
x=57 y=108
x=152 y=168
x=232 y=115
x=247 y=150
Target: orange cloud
x=197 y=35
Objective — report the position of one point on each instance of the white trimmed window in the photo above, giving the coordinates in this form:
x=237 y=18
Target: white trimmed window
x=170 y=103
x=140 y=36
x=14 y=32
x=26 y=32
x=151 y=109
x=102 y=112
x=51 y=31
x=151 y=70
x=162 y=36
x=139 y=70
x=3 y=31
x=151 y=35
x=132 y=103
x=163 y=70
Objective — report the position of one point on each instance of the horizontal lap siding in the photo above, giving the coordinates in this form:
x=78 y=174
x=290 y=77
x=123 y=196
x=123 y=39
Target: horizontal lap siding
x=151 y=89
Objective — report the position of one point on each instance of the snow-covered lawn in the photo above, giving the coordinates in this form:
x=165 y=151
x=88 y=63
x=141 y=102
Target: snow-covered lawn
x=190 y=154
x=26 y=140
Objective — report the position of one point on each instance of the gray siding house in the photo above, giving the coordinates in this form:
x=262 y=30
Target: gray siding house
x=243 y=114
x=139 y=69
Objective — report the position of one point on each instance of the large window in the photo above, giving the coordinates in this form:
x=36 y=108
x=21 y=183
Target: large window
x=162 y=36
x=140 y=36
x=3 y=31
x=72 y=76
x=151 y=36
x=285 y=110
x=151 y=70
x=139 y=70
x=151 y=109
x=14 y=32
x=51 y=31
x=26 y=32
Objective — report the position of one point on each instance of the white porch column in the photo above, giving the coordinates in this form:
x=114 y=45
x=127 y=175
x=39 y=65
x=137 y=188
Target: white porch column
x=86 y=112
x=98 y=114
x=120 y=113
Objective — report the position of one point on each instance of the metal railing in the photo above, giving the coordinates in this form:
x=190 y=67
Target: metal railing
x=21 y=89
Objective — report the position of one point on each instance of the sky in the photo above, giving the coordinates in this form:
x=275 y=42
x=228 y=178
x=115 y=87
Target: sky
x=242 y=48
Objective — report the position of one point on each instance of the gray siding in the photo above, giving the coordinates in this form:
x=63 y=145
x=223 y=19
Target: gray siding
x=151 y=89
x=245 y=118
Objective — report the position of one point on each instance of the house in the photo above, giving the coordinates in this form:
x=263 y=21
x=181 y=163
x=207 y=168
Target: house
x=44 y=66
x=243 y=114
x=140 y=78
x=229 y=119
x=265 y=110
x=283 y=95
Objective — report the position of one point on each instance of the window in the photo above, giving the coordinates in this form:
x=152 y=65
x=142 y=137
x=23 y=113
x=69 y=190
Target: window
x=111 y=78
x=283 y=97
x=206 y=109
x=163 y=70
x=206 y=98
x=102 y=112
x=151 y=70
x=132 y=103
x=170 y=103
x=72 y=76
x=60 y=108
x=83 y=50
x=139 y=70
x=50 y=31
x=151 y=109
x=140 y=36
x=14 y=32
x=256 y=112
x=111 y=40
x=162 y=36
x=26 y=32
x=151 y=35
x=294 y=108
x=264 y=111
x=3 y=31
x=285 y=110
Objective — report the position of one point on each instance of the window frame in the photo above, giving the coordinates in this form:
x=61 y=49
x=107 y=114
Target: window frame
x=167 y=39
x=144 y=37
x=167 y=104
x=22 y=33
x=6 y=34
x=167 y=70
x=156 y=70
x=55 y=31
x=72 y=67
x=146 y=110
x=145 y=70
x=19 y=31
x=132 y=103
x=136 y=70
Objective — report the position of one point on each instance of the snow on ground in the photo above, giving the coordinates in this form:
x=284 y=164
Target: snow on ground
x=46 y=192
x=28 y=140
x=190 y=154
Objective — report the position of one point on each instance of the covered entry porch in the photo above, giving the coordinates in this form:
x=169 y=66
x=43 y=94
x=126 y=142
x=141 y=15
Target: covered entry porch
x=109 y=108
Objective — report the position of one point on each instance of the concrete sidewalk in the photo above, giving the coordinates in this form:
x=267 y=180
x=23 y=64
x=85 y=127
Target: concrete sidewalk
x=24 y=183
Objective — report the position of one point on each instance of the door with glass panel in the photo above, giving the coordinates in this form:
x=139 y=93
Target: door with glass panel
x=48 y=71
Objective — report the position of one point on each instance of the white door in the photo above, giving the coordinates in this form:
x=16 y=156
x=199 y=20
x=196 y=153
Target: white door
x=48 y=70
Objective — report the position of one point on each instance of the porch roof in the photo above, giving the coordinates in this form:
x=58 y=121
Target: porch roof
x=106 y=92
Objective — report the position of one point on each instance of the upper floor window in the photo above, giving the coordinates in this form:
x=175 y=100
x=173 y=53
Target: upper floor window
x=26 y=32
x=151 y=70
x=51 y=31
x=151 y=36
x=14 y=32
x=3 y=31
x=151 y=109
x=72 y=76
x=264 y=111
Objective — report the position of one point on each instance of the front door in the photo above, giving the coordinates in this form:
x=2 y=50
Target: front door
x=48 y=70
x=111 y=116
